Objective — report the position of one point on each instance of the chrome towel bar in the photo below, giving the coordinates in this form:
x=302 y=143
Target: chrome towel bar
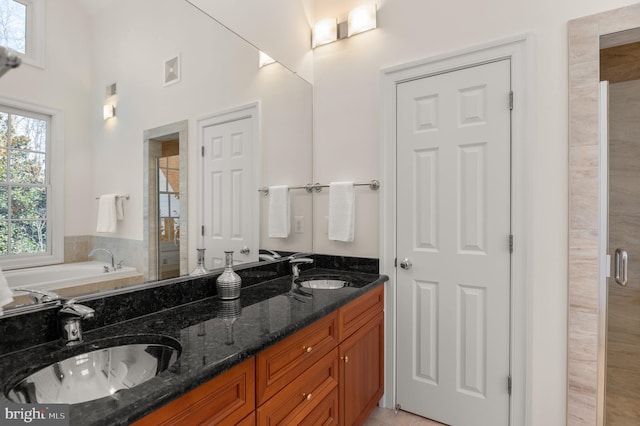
x=317 y=187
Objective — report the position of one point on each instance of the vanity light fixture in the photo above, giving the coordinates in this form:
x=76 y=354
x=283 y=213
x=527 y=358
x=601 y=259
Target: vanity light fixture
x=361 y=19
x=324 y=31
x=108 y=111
x=265 y=59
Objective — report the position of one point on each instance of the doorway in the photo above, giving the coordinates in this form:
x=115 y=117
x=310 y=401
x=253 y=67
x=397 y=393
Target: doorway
x=620 y=98
x=454 y=143
x=515 y=53
x=230 y=173
x=165 y=201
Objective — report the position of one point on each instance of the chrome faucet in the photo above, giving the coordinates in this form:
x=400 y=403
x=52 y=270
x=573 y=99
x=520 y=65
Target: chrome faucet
x=39 y=296
x=295 y=266
x=113 y=263
x=70 y=316
x=295 y=271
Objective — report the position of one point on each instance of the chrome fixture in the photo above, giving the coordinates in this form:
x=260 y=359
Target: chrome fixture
x=621 y=267
x=295 y=263
x=8 y=60
x=40 y=296
x=374 y=185
x=266 y=254
x=71 y=315
x=113 y=263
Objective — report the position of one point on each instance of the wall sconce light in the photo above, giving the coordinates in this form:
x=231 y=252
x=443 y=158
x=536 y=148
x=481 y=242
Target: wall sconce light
x=108 y=111
x=265 y=59
x=360 y=19
x=325 y=31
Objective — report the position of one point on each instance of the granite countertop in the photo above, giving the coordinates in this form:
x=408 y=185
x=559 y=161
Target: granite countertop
x=267 y=314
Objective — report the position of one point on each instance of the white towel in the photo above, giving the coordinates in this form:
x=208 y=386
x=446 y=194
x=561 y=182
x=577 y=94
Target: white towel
x=119 y=208
x=342 y=217
x=279 y=212
x=6 y=295
x=107 y=215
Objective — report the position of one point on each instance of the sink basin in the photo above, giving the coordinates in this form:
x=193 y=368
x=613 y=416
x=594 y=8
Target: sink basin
x=319 y=283
x=97 y=371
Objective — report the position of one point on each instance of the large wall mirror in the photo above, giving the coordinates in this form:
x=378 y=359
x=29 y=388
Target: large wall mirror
x=178 y=81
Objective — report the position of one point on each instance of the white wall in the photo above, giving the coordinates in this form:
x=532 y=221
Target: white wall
x=219 y=71
x=63 y=84
x=346 y=134
x=280 y=28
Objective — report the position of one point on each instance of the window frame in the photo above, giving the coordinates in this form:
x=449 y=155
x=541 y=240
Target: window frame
x=34 y=33
x=54 y=183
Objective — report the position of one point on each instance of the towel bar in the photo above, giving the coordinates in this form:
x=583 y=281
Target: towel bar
x=126 y=197
x=374 y=185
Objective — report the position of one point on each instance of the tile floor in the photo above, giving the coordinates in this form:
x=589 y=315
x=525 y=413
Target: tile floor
x=386 y=417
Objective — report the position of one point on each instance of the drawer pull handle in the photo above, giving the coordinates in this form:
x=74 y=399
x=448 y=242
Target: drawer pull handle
x=346 y=359
x=307 y=348
x=307 y=396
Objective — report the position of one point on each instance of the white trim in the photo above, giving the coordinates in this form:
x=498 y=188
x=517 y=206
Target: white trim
x=55 y=209
x=519 y=50
x=252 y=112
x=35 y=31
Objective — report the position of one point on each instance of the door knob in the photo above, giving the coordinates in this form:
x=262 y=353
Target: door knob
x=406 y=264
x=245 y=250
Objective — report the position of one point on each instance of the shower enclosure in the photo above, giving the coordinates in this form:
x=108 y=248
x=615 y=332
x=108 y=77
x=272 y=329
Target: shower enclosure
x=622 y=375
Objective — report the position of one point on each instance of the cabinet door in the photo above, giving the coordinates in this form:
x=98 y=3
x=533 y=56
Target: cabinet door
x=279 y=364
x=360 y=312
x=361 y=372
x=225 y=400
x=301 y=397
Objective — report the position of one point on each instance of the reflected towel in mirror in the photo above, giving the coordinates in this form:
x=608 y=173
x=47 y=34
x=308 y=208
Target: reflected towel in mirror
x=279 y=212
x=107 y=214
x=342 y=217
x=6 y=295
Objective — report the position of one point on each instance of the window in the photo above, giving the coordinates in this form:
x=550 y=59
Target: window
x=27 y=189
x=22 y=29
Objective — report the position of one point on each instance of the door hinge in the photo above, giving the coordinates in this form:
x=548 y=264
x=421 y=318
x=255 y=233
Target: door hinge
x=202 y=150
x=395 y=262
x=509 y=384
x=202 y=230
x=510 y=243
x=511 y=100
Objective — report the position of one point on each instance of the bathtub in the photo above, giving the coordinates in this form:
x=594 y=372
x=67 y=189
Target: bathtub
x=84 y=276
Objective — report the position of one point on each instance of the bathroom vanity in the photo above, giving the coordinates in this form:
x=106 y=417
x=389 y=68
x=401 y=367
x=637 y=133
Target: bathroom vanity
x=269 y=357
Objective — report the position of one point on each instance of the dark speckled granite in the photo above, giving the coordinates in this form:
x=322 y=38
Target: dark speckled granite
x=214 y=337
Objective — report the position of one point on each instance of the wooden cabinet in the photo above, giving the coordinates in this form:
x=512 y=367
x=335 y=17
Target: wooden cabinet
x=361 y=332
x=229 y=399
x=300 y=398
x=362 y=372
x=329 y=373
x=281 y=363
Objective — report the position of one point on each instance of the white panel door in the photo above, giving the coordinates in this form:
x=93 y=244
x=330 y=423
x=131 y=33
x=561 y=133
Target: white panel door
x=229 y=192
x=453 y=216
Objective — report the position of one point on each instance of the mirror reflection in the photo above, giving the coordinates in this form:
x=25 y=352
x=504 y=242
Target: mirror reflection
x=162 y=127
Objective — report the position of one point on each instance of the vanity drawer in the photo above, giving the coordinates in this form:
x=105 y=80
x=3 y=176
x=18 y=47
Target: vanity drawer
x=359 y=312
x=280 y=364
x=225 y=400
x=305 y=398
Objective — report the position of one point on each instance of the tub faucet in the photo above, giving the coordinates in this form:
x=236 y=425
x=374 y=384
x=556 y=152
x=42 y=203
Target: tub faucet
x=70 y=317
x=113 y=263
x=40 y=296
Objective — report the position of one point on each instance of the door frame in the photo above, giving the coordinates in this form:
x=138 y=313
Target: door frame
x=519 y=50
x=249 y=111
